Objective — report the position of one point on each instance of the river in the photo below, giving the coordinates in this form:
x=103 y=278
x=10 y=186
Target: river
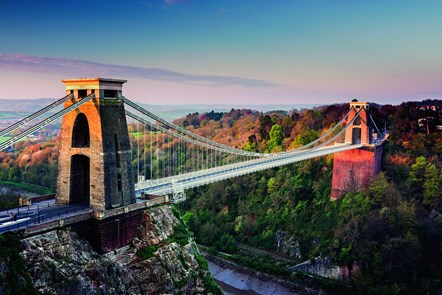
x=236 y=283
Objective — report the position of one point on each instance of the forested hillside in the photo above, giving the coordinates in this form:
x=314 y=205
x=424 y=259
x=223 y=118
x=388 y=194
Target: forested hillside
x=389 y=235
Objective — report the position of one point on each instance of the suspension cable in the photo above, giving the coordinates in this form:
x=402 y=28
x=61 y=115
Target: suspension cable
x=45 y=122
x=325 y=134
x=167 y=131
x=186 y=132
x=31 y=117
x=340 y=132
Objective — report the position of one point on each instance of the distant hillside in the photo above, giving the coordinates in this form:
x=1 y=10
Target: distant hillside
x=17 y=108
x=23 y=105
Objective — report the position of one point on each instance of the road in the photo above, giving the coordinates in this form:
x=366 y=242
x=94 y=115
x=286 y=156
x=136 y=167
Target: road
x=23 y=217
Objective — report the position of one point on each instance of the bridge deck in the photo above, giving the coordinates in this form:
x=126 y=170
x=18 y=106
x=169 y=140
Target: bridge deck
x=207 y=176
x=47 y=215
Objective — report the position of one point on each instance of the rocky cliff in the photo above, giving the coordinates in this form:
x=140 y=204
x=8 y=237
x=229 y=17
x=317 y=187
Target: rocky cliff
x=162 y=258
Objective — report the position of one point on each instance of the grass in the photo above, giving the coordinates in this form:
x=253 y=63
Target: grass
x=18 y=186
x=4 y=138
x=137 y=134
x=140 y=134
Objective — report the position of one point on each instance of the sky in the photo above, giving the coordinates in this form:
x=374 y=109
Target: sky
x=225 y=51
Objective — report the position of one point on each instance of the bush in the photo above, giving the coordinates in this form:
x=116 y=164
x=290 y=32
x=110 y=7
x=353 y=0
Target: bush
x=180 y=235
x=147 y=252
x=227 y=243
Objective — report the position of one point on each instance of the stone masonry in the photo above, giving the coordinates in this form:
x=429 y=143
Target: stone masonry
x=103 y=159
x=353 y=169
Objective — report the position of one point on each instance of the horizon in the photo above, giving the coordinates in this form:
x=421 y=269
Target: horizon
x=248 y=52
x=241 y=104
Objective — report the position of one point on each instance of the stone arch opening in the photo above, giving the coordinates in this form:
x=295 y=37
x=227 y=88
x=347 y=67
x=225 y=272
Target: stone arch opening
x=80 y=179
x=82 y=93
x=80 y=133
x=356 y=135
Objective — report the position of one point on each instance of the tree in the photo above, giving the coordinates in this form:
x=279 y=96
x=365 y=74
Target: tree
x=432 y=186
x=304 y=137
x=417 y=174
x=265 y=125
x=378 y=187
x=276 y=136
x=227 y=243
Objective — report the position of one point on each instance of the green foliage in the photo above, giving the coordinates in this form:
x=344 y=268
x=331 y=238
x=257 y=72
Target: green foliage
x=433 y=186
x=147 y=252
x=261 y=263
x=305 y=137
x=272 y=185
x=369 y=231
x=201 y=261
x=276 y=136
x=397 y=216
x=353 y=205
x=227 y=243
x=175 y=212
x=19 y=186
x=14 y=279
x=378 y=187
x=181 y=234
x=8 y=201
x=211 y=286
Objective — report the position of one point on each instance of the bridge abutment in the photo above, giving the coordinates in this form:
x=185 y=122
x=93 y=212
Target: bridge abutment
x=111 y=233
x=353 y=169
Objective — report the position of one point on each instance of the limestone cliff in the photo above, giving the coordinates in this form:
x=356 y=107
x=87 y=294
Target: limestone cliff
x=162 y=259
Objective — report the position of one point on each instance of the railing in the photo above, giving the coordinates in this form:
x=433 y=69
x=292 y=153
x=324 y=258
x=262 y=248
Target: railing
x=37 y=215
x=37 y=219
x=229 y=171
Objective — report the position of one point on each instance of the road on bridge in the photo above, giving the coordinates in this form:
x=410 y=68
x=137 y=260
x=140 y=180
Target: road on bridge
x=26 y=216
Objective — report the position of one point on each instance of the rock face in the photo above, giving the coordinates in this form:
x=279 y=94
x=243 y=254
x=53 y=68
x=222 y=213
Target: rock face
x=159 y=260
x=322 y=266
x=287 y=244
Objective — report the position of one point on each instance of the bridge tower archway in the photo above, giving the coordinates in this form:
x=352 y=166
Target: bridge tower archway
x=356 y=135
x=79 y=191
x=80 y=132
x=360 y=131
x=95 y=153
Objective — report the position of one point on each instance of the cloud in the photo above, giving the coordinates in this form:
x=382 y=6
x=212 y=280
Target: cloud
x=83 y=68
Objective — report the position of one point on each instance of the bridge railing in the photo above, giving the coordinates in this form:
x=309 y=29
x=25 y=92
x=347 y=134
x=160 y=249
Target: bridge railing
x=221 y=173
x=40 y=215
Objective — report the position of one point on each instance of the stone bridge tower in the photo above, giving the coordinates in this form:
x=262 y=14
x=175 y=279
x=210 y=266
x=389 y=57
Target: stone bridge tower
x=353 y=169
x=360 y=131
x=95 y=155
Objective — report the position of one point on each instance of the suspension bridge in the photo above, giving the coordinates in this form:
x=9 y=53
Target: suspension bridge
x=98 y=165
x=187 y=159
